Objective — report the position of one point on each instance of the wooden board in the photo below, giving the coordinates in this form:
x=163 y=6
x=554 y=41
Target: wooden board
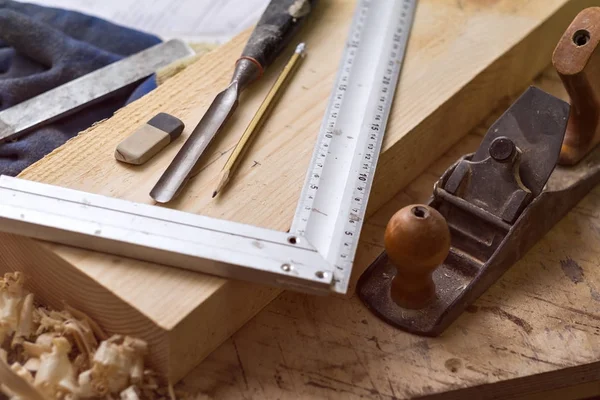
x=533 y=335
x=463 y=58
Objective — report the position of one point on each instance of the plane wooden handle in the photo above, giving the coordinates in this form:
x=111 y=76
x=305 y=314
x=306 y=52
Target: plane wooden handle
x=275 y=29
x=577 y=61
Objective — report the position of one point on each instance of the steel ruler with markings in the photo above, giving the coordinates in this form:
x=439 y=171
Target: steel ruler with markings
x=318 y=253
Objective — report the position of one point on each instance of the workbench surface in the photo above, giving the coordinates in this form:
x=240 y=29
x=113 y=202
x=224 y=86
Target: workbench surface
x=534 y=334
x=540 y=318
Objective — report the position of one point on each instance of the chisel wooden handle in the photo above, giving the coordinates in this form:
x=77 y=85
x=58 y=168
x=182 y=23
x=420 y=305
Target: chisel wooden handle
x=275 y=29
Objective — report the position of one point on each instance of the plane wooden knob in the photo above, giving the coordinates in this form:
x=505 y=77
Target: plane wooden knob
x=417 y=241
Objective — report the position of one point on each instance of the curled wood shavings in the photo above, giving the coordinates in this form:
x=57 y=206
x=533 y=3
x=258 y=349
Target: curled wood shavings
x=43 y=344
x=64 y=355
x=98 y=331
x=32 y=365
x=117 y=363
x=13 y=310
x=17 y=384
x=131 y=393
x=56 y=374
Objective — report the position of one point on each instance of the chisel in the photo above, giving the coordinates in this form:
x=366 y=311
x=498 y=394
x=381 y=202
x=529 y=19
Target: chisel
x=273 y=32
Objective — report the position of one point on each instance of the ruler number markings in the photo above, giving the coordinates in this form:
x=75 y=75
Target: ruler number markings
x=333 y=202
x=333 y=113
x=374 y=142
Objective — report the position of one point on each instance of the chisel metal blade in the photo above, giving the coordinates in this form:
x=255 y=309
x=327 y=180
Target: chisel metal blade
x=88 y=89
x=185 y=163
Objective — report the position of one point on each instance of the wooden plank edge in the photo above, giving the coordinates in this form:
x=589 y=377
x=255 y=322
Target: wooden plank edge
x=55 y=282
x=195 y=326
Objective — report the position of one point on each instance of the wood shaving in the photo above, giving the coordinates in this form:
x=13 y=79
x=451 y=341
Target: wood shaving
x=64 y=355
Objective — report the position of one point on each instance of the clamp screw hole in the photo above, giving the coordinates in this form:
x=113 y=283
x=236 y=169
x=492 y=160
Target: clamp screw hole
x=581 y=37
x=320 y=274
x=293 y=240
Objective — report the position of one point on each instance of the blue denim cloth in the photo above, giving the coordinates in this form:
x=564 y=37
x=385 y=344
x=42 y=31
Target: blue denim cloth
x=42 y=48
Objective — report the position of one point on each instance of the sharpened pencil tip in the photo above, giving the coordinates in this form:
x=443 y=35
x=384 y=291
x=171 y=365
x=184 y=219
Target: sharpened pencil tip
x=301 y=48
x=215 y=194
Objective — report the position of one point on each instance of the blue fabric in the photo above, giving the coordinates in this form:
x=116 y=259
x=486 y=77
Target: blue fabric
x=42 y=48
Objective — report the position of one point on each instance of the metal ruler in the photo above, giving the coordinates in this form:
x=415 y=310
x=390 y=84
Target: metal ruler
x=334 y=199
x=318 y=253
x=88 y=89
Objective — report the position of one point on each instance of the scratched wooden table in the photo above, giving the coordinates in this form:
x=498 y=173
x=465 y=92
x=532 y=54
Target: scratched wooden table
x=481 y=52
x=534 y=334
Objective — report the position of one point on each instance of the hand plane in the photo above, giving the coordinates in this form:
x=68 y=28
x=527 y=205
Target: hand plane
x=536 y=162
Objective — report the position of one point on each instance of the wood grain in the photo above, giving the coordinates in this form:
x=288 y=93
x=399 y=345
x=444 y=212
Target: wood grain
x=464 y=57
x=533 y=335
